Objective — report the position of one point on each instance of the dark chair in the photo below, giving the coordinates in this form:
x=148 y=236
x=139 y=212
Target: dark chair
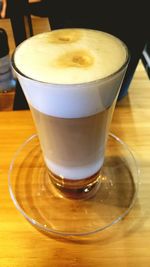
x=17 y=10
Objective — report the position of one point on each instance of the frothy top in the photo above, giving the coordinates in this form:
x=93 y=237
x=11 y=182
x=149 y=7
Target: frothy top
x=66 y=67
x=70 y=56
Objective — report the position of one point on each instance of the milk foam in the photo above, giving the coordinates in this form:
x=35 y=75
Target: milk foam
x=71 y=63
x=70 y=56
x=75 y=173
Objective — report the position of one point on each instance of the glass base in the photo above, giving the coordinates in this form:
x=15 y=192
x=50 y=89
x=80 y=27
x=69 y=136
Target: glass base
x=44 y=206
x=76 y=189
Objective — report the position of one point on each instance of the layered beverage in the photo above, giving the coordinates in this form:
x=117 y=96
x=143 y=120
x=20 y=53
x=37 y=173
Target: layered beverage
x=71 y=79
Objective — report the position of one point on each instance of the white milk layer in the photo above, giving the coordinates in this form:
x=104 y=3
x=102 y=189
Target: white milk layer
x=71 y=63
x=75 y=173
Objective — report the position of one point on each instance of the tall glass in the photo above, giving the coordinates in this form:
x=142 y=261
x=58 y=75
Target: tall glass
x=72 y=122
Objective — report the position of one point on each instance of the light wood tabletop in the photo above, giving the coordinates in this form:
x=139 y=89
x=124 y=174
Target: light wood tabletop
x=127 y=243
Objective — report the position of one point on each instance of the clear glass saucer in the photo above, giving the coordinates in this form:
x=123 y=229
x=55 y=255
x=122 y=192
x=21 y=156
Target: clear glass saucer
x=40 y=203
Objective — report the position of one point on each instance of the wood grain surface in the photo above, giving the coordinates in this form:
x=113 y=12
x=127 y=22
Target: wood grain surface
x=125 y=244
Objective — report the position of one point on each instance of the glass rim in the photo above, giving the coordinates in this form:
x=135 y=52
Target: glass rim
x=122 y=67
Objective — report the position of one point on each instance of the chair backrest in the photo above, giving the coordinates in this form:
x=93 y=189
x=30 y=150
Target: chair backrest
x=17 y=10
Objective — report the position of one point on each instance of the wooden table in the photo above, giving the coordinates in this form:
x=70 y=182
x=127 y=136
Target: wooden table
x=125 y=244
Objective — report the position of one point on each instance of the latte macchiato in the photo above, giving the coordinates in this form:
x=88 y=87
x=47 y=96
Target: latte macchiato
x=71 y=79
